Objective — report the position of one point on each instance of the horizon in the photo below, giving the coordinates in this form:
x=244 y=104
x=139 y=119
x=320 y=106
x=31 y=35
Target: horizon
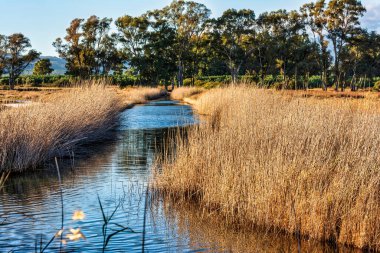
x=42 y=30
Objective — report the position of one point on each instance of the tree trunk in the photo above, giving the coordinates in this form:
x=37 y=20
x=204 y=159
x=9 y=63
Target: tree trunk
x=336 y=66
x=353 y=83
x=233 y=75
x=324 y=80
x=180 y=74
x=11 y=81
x=262 y=77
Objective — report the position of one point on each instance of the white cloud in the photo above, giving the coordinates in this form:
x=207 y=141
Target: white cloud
x=371 y=19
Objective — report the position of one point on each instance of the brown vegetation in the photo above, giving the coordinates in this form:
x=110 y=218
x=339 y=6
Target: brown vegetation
x=301 y=166
x=141 y=95
x=31 y=134
x=185 y=92
x=31 y=94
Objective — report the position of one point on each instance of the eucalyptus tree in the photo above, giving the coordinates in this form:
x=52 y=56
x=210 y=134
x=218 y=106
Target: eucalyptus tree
x=16 y=55
x=233 y=36
x=147 y=43
x=342 y=24
x=316 y=21
x=361 y=58
x=133 y=36
x=2 y=53
x=296 y=45
x=266 y=45
x=109 y=58
x=73 y=51
x=369 y=65
x=88 y=47
x=187 y=19
x=286 y=30
x=42 y=67
x=161 y=51
x=96 y=40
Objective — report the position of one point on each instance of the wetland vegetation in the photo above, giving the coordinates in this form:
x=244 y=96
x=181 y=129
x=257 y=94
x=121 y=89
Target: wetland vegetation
x=170 y=122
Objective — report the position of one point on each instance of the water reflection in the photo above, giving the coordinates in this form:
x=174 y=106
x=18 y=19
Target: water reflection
x=206 y=232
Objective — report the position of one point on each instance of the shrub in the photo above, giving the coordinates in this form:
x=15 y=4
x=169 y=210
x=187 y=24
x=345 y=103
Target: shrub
x=210 y=85
x=187 y=82
x=376 y=86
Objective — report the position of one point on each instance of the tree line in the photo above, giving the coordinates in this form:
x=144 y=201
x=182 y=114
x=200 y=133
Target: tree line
x=181 y=40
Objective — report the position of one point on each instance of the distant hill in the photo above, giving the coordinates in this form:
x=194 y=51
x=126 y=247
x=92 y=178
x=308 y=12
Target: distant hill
x=58 y=64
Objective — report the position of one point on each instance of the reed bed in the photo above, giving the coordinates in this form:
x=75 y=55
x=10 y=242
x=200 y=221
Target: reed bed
x=32 y=134
x=283 y=163
x=141 y=95
x=185 y=92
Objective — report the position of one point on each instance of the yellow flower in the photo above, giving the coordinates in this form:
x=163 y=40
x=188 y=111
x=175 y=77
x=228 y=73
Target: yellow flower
x=78 y=215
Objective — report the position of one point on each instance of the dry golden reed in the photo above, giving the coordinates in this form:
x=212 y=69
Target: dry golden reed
x=185 y=92
x=141 y=95
x=30 y=135
x=286 y=163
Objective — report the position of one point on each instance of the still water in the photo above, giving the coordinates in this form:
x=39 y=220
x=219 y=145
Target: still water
x=116 y=172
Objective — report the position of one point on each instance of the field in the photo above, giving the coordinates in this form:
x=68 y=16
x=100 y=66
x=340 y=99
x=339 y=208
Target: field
x=285 y=162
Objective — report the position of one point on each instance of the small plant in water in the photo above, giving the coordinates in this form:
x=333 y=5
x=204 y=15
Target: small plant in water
x=107 y=222
x=3 y=178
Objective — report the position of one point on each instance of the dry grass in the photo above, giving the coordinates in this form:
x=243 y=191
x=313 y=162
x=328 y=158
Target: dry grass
x=331 y=93
x=59 y=119
x=185 y=92
x=141 y=95
x=285 y=163
x=11 y=96
x=32 y=134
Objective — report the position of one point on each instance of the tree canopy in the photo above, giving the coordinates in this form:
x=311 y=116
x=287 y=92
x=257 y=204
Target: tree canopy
x=43 y=67
x=15 y=55
x=181 y=42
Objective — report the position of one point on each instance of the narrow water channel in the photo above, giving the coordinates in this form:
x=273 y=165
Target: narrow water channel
x=116 y=173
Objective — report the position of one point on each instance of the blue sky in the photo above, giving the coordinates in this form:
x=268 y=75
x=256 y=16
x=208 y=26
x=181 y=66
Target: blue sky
x=45 y=20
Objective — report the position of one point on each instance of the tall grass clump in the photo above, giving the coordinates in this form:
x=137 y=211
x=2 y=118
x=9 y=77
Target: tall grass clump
x=32 y=134
x=290 y=164
x=141 y=95
x=185 y=92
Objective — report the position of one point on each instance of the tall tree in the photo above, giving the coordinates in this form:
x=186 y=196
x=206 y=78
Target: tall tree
x=16 y=55
x=3 y=52
x=187 y=18
x=89 y=48
x=232 y=37
x=72 y=50
x=134 y=37
x=43 y=67
x=342 y=24
x=316 y=20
